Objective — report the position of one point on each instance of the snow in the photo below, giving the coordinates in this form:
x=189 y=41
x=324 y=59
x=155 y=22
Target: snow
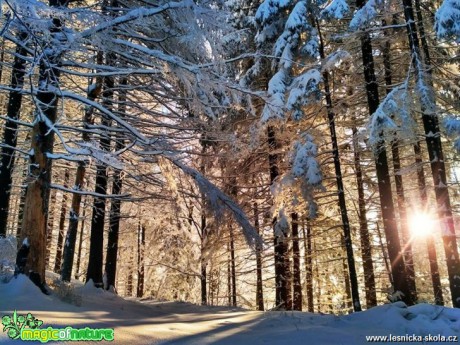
x=447 y=23
x=452 y=125
x=365 y=15
x=297 y=18
x=336 y=9
x=303 y=89
x=8 y=247
x=282 y=227
x=304 y=163
x=334 y=60
x=152 y=322
x=393 y=117
x=274 y=109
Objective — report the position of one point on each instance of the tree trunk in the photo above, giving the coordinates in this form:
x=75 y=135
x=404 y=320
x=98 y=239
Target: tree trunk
x=398 y=268
x=297 y=282
x=435 y=278
x=339 y=181
x=308 y=266
x=74 y=215
x=49 y=228
x=37 y=197
x=232 y=261
x=140 y=260
x=432 y=257
x=280 y=246
x=288 y=274
x=204 y=300
x=80 y=244
x=229 y=276
x=129 y=280
x=203 y=234
x=57 y=260
x=22 y=201
x=366 y=248
x=2 y=58
x=114 y=223
x=95 y=262
x=10 y=130
x=259 y=286
x=435 y=152
x=346 y=276
x=406 y=237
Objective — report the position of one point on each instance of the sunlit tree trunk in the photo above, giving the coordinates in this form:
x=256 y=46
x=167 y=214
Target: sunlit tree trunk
x=42 y=140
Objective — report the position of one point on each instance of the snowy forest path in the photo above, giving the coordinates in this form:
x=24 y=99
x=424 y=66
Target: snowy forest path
x=149 y=322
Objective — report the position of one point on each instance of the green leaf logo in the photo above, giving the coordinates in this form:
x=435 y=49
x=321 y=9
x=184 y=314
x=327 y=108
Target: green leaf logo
x=15 y=324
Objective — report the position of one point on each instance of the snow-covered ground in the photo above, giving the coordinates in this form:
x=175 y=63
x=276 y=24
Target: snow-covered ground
x=151 y=322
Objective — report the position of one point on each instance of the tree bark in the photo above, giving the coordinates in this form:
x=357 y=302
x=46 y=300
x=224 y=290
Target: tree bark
x=10 y=130
x=38 y=190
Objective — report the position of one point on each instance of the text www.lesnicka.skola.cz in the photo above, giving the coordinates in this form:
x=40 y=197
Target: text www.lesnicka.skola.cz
x=391 y=338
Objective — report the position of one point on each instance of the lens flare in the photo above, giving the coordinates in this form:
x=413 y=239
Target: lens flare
x=421 y=224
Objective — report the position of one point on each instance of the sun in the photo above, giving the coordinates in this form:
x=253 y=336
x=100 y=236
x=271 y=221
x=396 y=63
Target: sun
x=421 y=224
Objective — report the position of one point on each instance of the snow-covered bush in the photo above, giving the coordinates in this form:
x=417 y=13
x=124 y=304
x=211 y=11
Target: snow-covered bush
x=8 y=247
x=67 y=292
